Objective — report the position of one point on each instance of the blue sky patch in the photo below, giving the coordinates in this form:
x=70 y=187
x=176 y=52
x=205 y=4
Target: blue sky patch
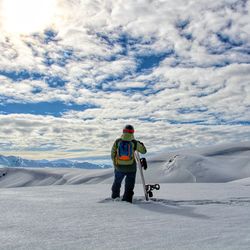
x=17 y=76
x=43 y=108
x=21 y=75
x=55 y=81
x=149 y=61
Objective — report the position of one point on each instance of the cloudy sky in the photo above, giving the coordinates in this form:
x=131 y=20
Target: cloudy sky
x=74 y=72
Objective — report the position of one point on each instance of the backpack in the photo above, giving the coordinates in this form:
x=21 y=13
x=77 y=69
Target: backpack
x=125 y=150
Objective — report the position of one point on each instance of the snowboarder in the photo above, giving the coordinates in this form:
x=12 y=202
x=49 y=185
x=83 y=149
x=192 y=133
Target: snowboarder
x=122 y=155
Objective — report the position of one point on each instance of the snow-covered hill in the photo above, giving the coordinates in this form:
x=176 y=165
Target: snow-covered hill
x=223 y=163
x=24 y=177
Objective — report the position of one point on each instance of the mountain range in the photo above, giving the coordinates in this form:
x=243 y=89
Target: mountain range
x=14 y=161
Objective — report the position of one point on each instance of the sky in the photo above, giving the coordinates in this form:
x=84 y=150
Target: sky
x=73 y=73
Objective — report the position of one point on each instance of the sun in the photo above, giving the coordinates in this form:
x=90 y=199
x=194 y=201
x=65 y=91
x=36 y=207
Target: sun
x=27 y=16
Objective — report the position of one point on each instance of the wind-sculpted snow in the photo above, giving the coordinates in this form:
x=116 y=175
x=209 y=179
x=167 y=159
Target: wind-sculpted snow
x=21 y=177
x=211 y=164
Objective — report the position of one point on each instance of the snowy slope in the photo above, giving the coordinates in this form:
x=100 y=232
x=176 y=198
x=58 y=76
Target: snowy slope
x=185 y=216
x=24 y=177
x=209 y=164
x=182 y=216
x=212 y=164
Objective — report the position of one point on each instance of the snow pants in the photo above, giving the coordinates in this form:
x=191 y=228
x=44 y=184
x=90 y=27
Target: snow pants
x=129 y=185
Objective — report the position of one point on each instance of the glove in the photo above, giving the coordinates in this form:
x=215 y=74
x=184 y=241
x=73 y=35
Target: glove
x=144 y=163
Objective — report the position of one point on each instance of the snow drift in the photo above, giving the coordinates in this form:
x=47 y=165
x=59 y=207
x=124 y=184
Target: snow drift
x=25 y=177
x=224 y=163
x=213 y=164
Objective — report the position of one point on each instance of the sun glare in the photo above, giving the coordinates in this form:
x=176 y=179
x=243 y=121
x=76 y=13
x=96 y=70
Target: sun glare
x=27 y=16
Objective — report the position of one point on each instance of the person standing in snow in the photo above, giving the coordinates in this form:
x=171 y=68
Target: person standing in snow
x=122 y=155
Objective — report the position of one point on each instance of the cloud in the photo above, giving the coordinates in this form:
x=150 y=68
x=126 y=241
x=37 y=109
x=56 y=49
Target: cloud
x=170 y=68
x=42 y=133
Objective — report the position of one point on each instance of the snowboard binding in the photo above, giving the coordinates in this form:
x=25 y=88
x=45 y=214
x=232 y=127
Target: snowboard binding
x=150 y=187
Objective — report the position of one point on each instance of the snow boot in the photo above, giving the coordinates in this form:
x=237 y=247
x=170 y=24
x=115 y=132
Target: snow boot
x=128 y=196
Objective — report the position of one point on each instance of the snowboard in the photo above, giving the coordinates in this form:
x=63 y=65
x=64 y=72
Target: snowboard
x=147 y=188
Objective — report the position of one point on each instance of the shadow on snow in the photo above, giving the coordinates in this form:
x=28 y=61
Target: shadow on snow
x=180 y=207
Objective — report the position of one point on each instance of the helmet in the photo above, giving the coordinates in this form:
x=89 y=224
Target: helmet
x=128 y=129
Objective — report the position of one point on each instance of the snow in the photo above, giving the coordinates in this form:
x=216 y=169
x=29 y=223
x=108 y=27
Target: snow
x=206 y=208
x=187 y=216
x=26 y=177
